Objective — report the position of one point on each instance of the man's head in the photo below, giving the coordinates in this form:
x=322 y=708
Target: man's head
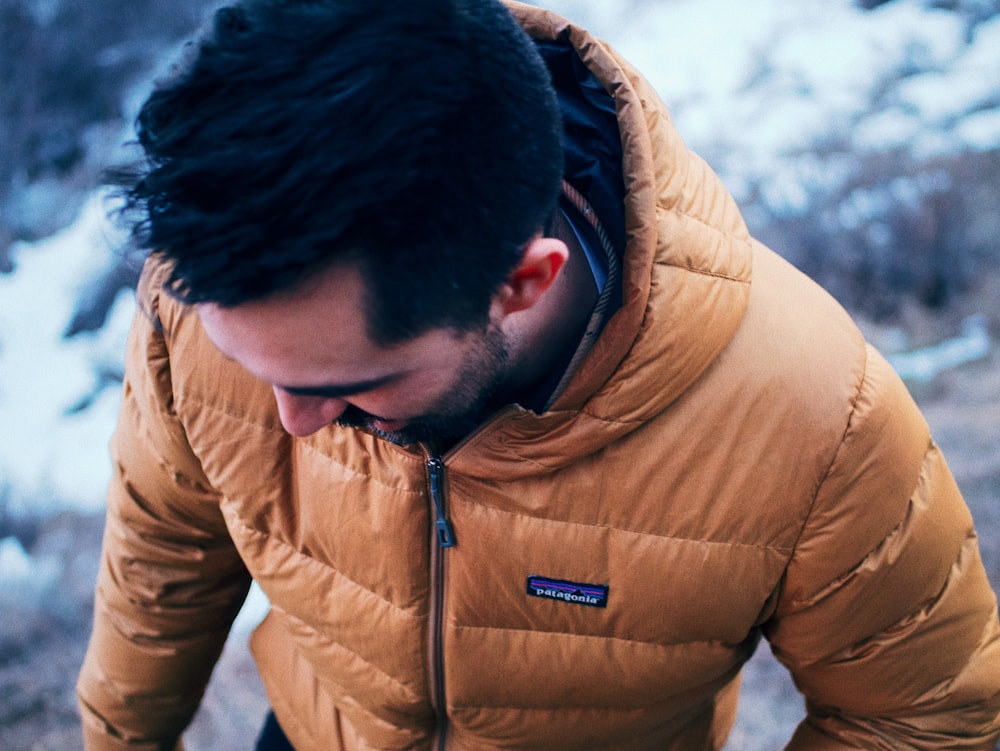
x=418 y=140
x=311 y=344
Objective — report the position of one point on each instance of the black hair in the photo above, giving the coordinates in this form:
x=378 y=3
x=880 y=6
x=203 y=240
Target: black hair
x=418 y=138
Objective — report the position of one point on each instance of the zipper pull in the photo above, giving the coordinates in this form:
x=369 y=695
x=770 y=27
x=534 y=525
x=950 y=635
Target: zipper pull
x=435 y=472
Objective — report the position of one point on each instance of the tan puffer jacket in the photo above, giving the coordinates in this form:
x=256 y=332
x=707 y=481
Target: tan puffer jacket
x=730 y=460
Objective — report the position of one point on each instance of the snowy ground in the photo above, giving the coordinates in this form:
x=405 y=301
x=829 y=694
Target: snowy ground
x=59 y=394
x=757 y=86
x=753 y=86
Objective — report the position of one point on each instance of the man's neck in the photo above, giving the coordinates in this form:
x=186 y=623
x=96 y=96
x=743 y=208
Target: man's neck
x=546 y=341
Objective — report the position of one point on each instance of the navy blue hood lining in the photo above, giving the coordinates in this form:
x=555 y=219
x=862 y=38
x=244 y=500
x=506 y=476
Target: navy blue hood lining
x=592 y=148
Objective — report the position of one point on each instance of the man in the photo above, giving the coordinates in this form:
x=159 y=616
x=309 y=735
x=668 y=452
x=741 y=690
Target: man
x=450 y=344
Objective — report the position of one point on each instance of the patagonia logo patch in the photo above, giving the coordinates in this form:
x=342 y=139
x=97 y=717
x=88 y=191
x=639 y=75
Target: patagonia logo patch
x=593 y=595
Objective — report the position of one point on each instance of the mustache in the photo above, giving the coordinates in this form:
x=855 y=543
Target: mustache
x=417 y=430
x=352 y=417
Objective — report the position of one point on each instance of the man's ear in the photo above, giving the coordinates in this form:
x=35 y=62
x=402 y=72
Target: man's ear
x=543 y=260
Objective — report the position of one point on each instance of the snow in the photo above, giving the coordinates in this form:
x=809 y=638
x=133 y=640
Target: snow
x=892 y=128
x=254 y=609
x=14 y=561
x=922 y=365
x=756 y=85
x=24 y=580
x=49 y=455
x=980 y=131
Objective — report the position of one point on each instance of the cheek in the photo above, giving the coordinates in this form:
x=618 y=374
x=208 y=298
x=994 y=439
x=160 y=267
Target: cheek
x=415 y=396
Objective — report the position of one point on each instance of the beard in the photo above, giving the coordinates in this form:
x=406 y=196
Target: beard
x=476 y=391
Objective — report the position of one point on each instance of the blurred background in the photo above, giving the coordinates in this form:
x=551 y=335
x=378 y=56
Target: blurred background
x=861 y=139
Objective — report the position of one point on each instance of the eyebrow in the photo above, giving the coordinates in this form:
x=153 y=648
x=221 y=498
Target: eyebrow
x=335 y=391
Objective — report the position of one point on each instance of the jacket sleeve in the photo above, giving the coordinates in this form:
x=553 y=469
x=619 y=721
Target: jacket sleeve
x=886 y=619
x=170 y=581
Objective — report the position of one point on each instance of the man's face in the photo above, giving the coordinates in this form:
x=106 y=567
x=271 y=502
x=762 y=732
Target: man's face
x=312 y=346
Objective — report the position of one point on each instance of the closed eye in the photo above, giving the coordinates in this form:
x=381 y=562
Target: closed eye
x=339 y=391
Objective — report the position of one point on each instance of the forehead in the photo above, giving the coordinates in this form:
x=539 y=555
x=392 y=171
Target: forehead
x=317 y=335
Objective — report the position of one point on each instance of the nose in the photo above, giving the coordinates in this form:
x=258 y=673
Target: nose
x=304 y=415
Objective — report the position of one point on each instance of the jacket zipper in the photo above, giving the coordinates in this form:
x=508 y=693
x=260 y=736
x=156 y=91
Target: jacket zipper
x=445 y=538
x=444 y=534
x=435 y=473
